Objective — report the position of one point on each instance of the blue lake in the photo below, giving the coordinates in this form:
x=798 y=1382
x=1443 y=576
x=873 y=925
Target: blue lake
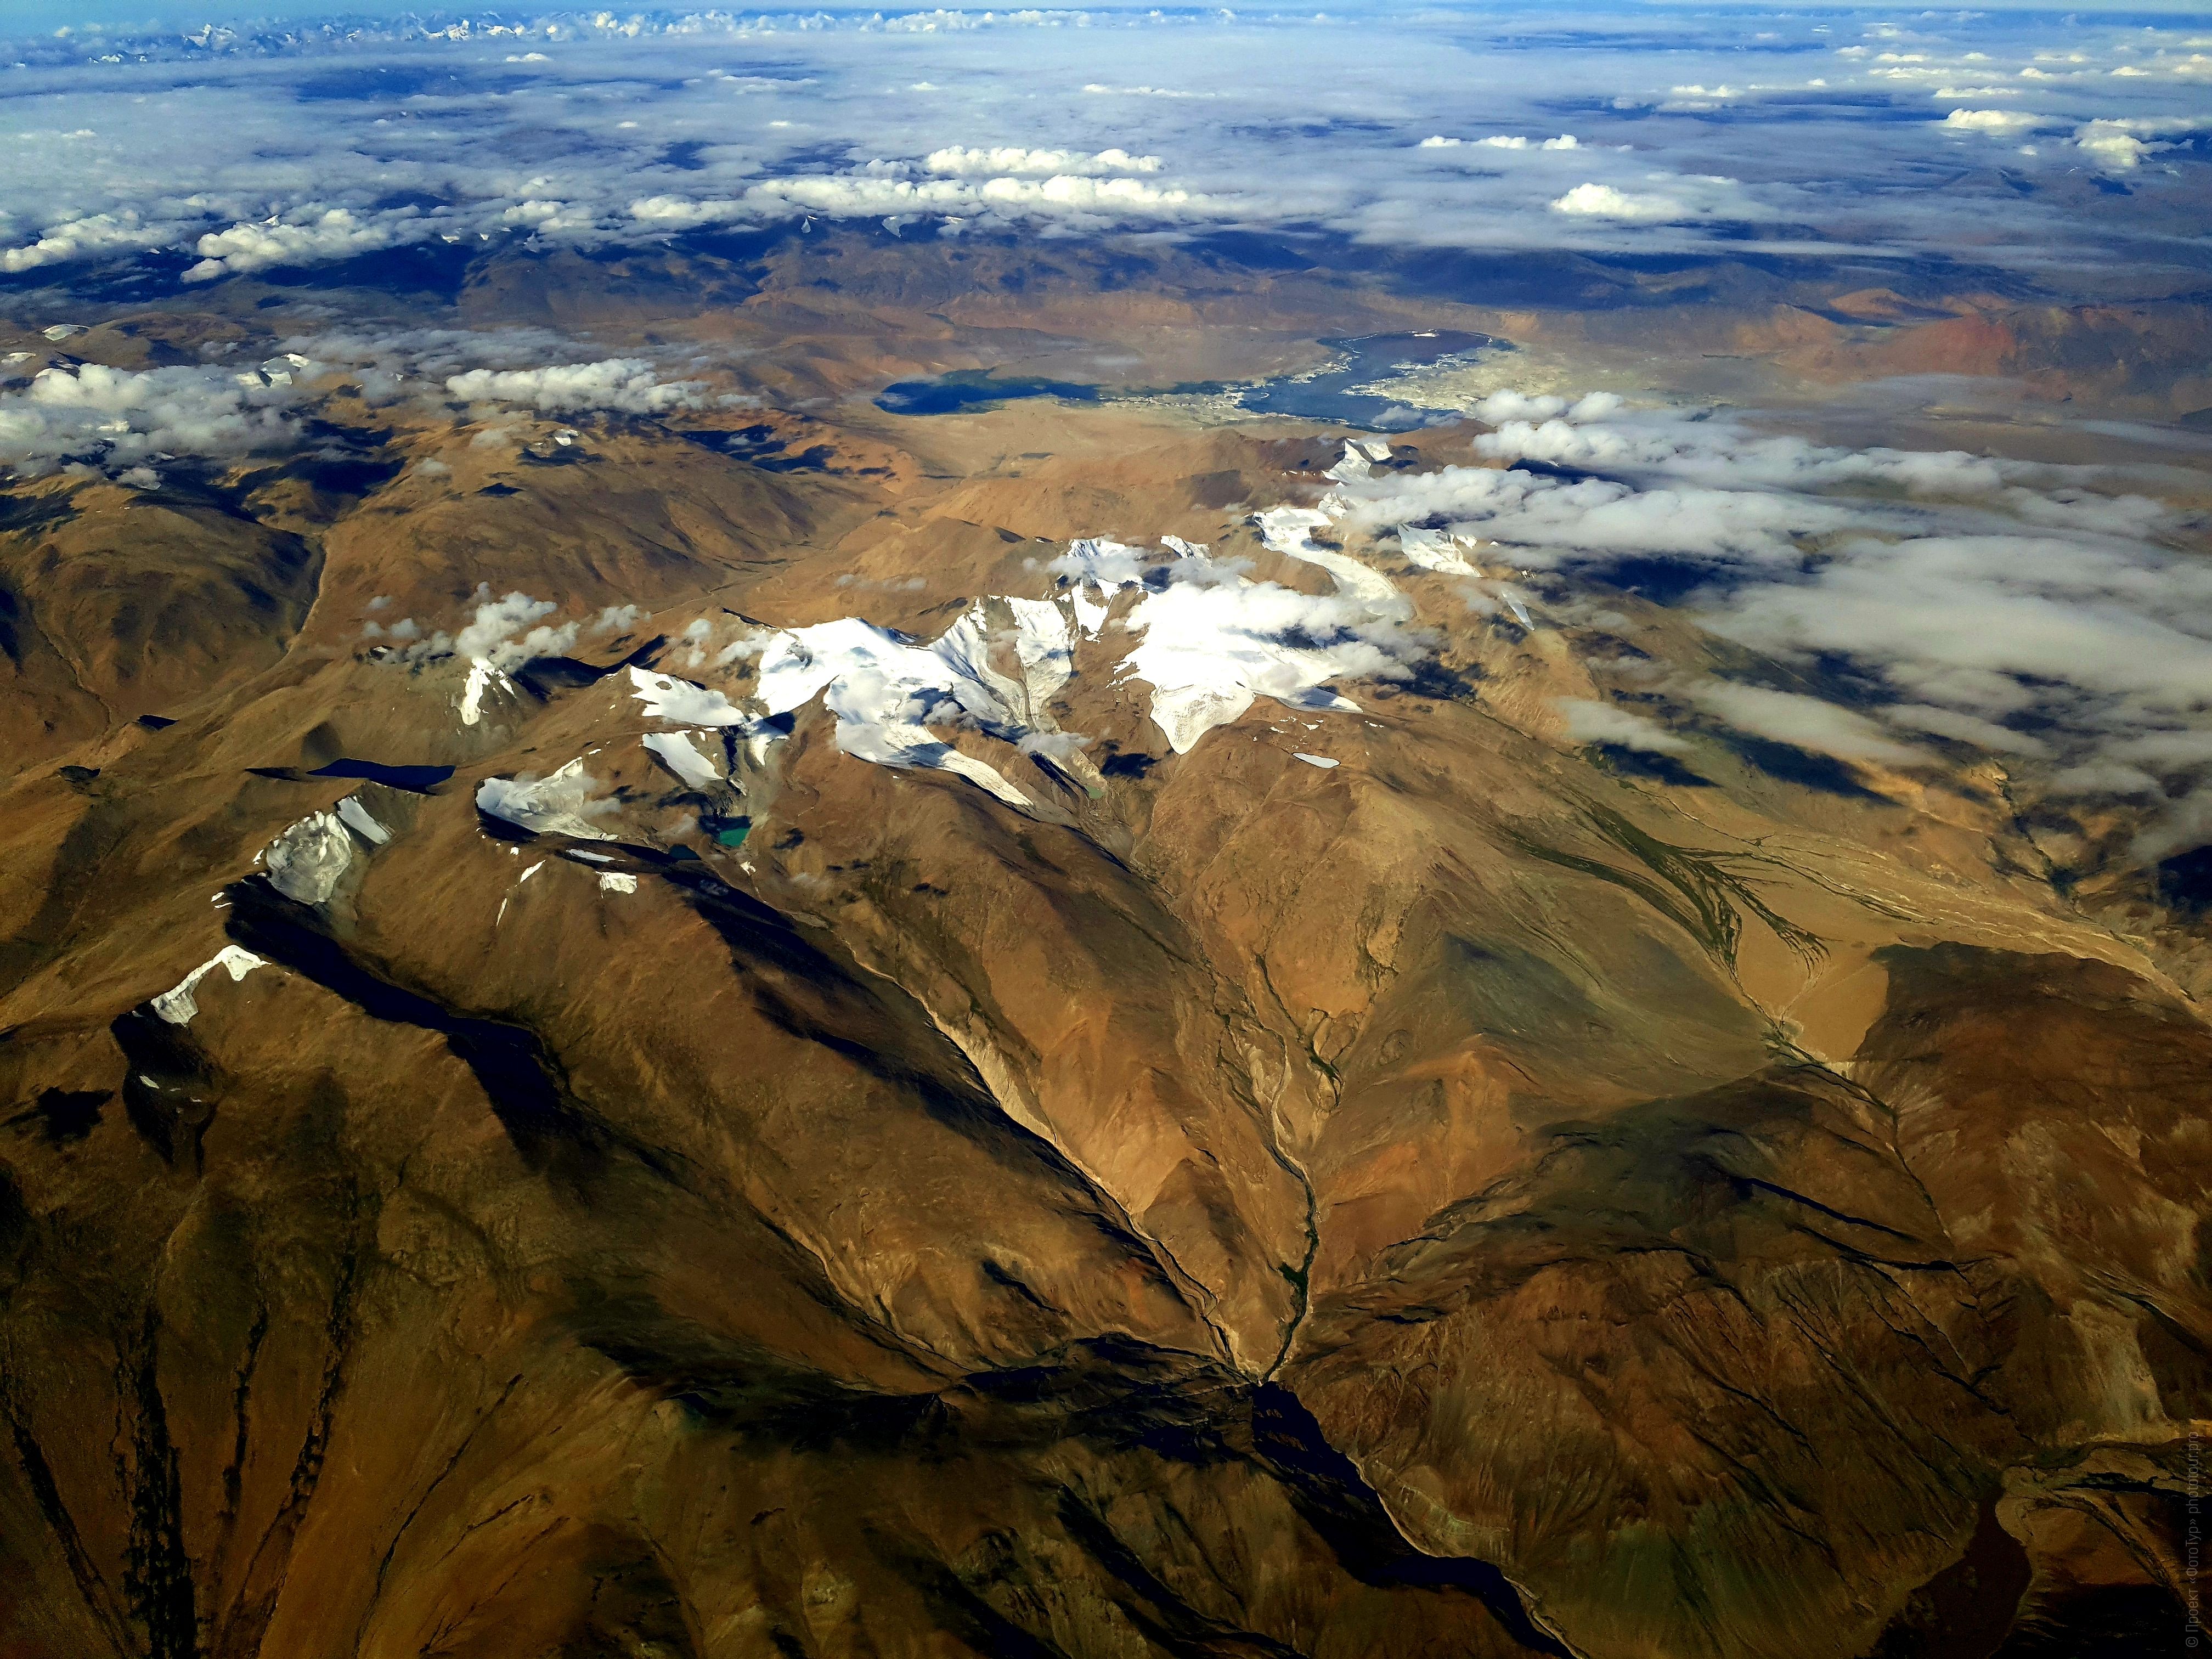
x=1330 y=395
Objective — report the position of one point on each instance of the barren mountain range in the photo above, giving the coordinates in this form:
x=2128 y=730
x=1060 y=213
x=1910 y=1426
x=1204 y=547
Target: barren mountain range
x=655 y=1008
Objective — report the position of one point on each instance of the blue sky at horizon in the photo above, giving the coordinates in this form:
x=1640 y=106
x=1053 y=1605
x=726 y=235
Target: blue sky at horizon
x=46 y=14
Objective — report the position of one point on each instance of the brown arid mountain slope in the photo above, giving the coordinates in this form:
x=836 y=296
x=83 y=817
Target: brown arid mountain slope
x=116 y=603
x=1467 y=1197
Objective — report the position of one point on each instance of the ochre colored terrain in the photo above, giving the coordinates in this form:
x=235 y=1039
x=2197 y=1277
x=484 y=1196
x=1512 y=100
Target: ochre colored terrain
x=1472 y=1199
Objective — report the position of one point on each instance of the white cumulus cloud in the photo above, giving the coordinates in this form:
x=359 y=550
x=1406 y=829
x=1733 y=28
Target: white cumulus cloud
x=116 y=417
x=625 y=384
x=94 y=234
x=336 y=233
x=1596 y=201
x=1997 y=123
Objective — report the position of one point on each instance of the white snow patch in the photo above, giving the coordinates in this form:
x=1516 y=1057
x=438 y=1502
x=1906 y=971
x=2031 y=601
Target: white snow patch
x=1353 y=465
x=618 y=881
x=1090 y=613
x=1209 y=651
x=1101 y=567
x=680 y=702
x=358 y=819
x=1213 y=642
x=1289 y=531
x=483 y=677
x=307 y=860
x=1434 y=549
x=1321 y=760
x=881 y=688
x=683 y=759
x=178 y=1005
x=554 y=805
x=1044 y=645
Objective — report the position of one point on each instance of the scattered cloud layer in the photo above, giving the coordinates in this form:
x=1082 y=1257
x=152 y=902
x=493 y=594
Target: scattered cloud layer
x=510 y=369
x=117 y=417
x=2050 y=616
x=965 y=161
x=1435 y=126
x=1594 y=722
x=504 y=632
x=310 y=237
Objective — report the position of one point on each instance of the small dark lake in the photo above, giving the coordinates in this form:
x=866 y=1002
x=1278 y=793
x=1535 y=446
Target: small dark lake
x=975 y=389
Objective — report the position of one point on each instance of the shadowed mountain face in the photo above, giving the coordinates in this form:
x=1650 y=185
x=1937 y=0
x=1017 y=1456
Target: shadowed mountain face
x=734 y=930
